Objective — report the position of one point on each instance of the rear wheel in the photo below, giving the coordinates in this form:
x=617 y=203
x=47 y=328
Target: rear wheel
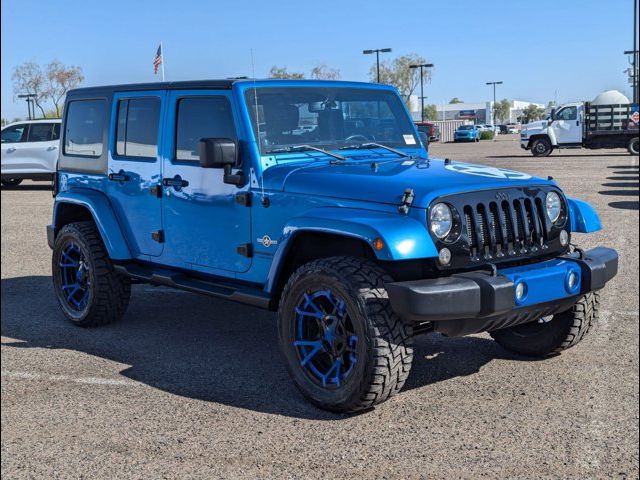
x=632 y=146
x=541 y=147
x=345 y=348
x=11 y=182
x=89 y=291
x=552 y=335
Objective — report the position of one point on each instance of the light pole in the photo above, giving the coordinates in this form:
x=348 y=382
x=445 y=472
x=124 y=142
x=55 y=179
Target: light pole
x=30 y=98
x=494 y=99
x=421 y=66
x=377 y=51
x=634 y=52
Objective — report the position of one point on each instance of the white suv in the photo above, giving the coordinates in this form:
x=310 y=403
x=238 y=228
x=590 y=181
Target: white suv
x=30 y=150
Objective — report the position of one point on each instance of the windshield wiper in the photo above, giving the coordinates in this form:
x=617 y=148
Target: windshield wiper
x=372 y=145
x=302 y=148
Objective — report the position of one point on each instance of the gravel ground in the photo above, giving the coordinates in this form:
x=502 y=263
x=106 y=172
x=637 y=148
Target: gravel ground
x=191 y=387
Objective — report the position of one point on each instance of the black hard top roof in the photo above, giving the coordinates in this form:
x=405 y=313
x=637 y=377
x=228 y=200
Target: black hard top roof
x=224 y=84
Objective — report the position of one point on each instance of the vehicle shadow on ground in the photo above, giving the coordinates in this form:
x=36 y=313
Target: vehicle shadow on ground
x=31 y=188
x=624 y=184
x=561 y=155
x=203 y=348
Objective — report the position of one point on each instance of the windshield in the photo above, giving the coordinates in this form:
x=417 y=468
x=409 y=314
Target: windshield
x=328 y=118
x=466 y=127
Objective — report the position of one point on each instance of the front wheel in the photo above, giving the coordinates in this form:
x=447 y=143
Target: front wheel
x=345 y=348
x=632 y=146
x=541 y=147
x=552 y=335
x=89 y=291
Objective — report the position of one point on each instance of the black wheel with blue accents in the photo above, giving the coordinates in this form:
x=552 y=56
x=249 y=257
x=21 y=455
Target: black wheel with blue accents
x=88 y=290
x=346 y=349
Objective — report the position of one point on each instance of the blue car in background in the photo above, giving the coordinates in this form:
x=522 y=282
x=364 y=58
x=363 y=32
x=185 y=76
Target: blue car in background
x=467 y=133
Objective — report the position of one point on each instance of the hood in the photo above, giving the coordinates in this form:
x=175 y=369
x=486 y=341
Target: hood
x=535 y=126
x=386 y=181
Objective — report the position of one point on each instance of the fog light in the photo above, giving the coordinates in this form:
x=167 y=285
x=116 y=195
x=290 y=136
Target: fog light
x=564 y=238
x=521 y=291
x=444 y=256
x=573 y=280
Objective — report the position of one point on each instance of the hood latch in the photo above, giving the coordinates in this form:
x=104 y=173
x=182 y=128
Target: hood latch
x=407 y=200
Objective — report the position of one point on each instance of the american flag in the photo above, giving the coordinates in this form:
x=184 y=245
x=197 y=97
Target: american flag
x=158 y=60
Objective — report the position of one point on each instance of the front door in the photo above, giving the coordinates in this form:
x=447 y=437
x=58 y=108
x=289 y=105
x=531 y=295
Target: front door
x=567 y=126
x=204 y=223
x=135 y=168
x=13 y=148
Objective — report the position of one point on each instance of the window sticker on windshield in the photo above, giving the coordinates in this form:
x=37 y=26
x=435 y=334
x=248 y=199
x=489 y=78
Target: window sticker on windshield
x=409 y=140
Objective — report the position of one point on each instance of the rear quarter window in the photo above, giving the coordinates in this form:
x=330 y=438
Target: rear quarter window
x=84 y=128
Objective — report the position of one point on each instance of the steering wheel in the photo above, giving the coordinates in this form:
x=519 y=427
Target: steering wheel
x=356 y=137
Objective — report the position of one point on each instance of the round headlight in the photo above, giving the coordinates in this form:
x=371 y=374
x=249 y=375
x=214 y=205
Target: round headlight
x=440 y=220
x=553 y=205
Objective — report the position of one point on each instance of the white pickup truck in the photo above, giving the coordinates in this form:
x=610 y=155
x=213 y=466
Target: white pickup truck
x=584 y=125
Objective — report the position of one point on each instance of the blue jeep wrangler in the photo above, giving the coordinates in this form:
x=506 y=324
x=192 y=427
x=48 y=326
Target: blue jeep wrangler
x=317 y=200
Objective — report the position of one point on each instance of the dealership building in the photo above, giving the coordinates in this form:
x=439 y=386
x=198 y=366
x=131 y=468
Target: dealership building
x=479 y=112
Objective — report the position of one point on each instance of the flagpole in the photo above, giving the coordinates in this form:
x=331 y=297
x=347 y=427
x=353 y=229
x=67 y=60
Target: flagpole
x=162 y=64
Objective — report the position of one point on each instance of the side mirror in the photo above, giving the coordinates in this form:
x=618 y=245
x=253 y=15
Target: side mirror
x=221 y=153
x=218 y=152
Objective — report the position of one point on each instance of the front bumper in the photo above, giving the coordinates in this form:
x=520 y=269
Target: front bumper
x=480 y=295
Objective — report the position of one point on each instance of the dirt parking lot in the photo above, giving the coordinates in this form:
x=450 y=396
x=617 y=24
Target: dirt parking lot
x=188 y=386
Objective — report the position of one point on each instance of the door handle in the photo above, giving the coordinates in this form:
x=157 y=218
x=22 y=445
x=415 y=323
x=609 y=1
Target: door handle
x=51 y=148
x=11 y=150
x=176 y=182
x=119 y=177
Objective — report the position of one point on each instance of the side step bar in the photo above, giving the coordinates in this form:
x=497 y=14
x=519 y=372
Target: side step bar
x=170 y=278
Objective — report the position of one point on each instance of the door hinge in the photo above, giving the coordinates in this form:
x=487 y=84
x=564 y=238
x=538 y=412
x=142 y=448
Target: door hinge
x=156 y=191
x=246 y=250
x=158 y=236
x=243 y=198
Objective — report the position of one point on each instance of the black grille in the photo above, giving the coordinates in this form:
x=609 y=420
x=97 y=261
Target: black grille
x=503 y=225
x=504 y=228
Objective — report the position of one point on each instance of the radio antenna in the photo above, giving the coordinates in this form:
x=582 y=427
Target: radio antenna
x=264 y=201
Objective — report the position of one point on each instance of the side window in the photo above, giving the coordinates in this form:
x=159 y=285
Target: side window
x=40 y=132
x=84 y=128
x=205 y=117
x=137 y=128
x=568 y=113
x=14 y=134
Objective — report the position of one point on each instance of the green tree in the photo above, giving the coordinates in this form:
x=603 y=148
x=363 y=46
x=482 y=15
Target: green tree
x=60 y=79
x=455 y=100
x=49 y=83
x=531 y=113
x=282 y=72
x=430 y=112
x=501 y=110
x=324 y=72
x=397 y=73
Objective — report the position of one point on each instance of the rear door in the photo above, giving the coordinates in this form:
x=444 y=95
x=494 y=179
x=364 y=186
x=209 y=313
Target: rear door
x=204 y=224
x=135 y=168
x=41 y=147
x=567 y=127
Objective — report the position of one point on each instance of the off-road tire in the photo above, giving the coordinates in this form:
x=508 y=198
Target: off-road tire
x=110 y=291
x=633 y=145
x=541 y=147
x=386 y=356
x=11 y=182
x=564 y=330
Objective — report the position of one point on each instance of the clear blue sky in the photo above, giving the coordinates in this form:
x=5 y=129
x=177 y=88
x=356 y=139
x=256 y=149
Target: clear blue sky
x=536 y=47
